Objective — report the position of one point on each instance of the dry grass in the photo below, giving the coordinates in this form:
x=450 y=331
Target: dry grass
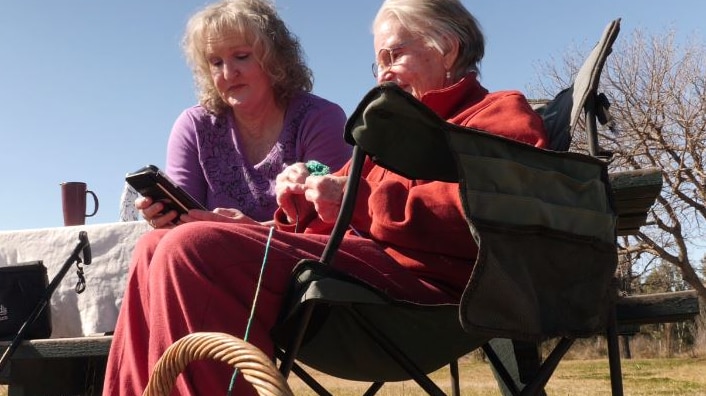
x=642 y=377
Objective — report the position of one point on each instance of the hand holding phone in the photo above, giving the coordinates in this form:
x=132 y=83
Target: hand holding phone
x=151 y=182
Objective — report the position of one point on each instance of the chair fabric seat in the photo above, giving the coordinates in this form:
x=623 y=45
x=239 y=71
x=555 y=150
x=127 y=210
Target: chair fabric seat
x=336 y=343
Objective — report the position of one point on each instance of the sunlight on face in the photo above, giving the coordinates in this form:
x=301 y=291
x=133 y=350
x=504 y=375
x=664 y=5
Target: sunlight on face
x=406 y=60
x=236 y=73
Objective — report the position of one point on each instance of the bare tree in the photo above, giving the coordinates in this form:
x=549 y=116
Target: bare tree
x=657 y=91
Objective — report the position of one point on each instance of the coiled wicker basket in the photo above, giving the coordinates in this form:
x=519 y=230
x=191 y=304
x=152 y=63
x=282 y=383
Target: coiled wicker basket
x=256 y=367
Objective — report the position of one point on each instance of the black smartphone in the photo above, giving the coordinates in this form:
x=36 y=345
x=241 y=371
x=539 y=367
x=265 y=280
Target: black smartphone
x=151 y=182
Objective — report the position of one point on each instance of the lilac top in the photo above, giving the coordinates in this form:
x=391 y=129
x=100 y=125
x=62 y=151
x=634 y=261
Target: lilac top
x=204 y=154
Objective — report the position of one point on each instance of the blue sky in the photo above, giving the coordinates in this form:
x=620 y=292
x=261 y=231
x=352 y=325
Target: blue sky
x=89 y=89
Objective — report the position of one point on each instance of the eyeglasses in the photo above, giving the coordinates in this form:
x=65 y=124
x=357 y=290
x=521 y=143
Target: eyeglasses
x=388 y=57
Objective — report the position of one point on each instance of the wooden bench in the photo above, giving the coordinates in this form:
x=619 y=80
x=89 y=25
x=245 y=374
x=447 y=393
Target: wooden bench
x=634 y=193
x=57 y=366
x=658 y=308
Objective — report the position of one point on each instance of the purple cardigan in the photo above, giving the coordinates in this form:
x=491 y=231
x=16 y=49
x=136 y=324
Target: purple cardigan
x=204 y=155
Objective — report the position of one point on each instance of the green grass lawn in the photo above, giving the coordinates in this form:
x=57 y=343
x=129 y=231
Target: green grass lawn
x=642 y=377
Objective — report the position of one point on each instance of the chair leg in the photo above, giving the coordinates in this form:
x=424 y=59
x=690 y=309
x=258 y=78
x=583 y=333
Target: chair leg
x=399 y=356
x=529 y=359
x=455 y=382
x=536 y=386
x=500 y=369
x=374 y=388
x=537 y=375
x=287 y=361
x=310 y=381
x=315 y=386
x=616 y=373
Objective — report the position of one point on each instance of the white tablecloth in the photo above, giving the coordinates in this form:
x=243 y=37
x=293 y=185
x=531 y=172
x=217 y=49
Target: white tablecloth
x=96 y=309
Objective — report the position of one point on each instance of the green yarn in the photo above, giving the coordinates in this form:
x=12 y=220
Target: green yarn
x=246 y=337
x=316 y=168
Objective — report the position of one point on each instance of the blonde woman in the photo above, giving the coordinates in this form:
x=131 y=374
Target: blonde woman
x=255 y=115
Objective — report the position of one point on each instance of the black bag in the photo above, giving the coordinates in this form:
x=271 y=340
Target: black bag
x=22 y=288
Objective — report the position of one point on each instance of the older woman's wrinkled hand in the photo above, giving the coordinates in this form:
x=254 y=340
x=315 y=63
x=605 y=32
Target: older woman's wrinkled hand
x=325 y=193
x=289 y=191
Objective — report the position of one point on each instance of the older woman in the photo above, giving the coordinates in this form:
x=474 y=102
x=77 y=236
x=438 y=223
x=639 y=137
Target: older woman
x=255 y=116
x=202 y=276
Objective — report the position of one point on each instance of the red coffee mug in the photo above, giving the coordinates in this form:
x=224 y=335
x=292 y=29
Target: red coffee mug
x=73 y=203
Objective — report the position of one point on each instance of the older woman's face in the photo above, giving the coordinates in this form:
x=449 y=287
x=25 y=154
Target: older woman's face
x=237 y=75
x=405 y=59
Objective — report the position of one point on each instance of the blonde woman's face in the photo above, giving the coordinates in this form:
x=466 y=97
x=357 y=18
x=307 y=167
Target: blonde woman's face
x=237 y=75
x=406 y=60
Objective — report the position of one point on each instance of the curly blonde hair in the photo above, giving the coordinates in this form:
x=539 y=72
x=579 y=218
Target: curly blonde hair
x=276 y=49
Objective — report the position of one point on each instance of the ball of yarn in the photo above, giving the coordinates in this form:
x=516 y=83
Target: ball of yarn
x=316 y=168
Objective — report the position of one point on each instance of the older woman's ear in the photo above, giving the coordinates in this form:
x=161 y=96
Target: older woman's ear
x=451 y=54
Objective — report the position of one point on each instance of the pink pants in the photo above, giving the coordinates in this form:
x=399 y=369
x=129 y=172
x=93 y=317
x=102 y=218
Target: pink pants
x=202 y=277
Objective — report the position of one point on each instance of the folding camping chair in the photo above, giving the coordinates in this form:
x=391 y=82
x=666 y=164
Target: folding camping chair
x=554 y=207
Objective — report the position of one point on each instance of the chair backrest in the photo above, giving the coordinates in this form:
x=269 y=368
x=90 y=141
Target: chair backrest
x=562 y=114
